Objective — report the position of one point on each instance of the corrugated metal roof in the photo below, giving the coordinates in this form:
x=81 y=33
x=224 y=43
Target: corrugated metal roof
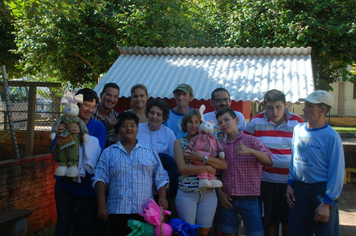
x=247 y=73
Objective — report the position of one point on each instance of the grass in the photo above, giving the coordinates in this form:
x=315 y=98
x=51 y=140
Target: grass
x=345 y=130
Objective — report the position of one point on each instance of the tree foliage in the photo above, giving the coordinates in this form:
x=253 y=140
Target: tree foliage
x=327 y=26
x=77 y=40
x=7 y=42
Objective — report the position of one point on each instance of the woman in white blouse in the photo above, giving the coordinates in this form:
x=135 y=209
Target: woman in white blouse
x=154 y=132
x=162 y=140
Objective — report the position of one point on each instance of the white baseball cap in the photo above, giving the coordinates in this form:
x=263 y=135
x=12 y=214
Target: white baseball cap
x=319 y=96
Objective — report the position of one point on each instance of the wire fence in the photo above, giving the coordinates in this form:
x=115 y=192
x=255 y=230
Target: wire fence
x=28 y=111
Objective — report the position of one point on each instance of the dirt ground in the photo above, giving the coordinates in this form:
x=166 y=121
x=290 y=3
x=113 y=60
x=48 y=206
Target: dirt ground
x=347 y=210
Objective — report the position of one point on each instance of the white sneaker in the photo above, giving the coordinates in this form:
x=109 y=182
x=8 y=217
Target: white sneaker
x=204 y=183
x=215 y=183
x=61 y=171
x=72 y=171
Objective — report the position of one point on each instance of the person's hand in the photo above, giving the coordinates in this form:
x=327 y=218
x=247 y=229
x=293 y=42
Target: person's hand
x=211 y=169
x=188 y=155
x=73 y=128
x=290 y=196
x=61 y=128
x=193 y=156
x=224 y=199
x=103 y=212
x=242 y=149
x=163 y=202
x=112 y=121
x=322 y=213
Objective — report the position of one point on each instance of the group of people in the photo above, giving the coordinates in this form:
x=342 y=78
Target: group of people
x=277 y=170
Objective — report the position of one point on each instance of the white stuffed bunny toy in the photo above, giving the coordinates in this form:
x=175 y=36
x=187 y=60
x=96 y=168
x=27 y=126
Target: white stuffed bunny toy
x=206 y=143
x=68 y=143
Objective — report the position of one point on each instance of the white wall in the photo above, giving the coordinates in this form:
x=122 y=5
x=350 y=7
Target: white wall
x=349 y=103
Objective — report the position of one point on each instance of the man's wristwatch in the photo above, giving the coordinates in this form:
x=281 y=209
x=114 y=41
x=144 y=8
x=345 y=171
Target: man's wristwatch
x=205 y=159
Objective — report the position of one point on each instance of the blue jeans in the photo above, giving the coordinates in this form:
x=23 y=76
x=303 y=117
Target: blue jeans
x=248 y=208
x=76 y=215
x=301 y=218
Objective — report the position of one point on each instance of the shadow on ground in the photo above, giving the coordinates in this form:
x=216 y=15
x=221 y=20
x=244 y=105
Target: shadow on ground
x=347 y=199
x=347 y=210
x=347 y=230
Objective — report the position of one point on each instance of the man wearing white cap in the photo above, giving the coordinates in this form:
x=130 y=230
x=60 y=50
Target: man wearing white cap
x=316 y=171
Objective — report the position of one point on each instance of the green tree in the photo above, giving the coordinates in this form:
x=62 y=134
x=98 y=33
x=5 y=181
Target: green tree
x=77 y=40
x=7 y=43
x=327 y=26
x=58 y=39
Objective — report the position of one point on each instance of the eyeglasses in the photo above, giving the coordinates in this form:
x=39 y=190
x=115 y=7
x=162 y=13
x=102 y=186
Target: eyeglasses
x=220 y=100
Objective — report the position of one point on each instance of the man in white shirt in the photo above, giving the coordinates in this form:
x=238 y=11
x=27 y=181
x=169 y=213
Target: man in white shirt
x=220 y=98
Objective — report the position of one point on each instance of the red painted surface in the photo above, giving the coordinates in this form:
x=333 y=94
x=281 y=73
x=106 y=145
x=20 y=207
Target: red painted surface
x=243 y=107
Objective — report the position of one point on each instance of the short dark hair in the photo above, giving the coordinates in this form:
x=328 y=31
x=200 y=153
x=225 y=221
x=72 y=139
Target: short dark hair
x=188 y=116
x=220 y=132
x=218 y=90
x=328 y=108
x=224 y=110
x=110 y=85
x=274 y=95
x=127 y=115
x=162 y=105
x=88 y=95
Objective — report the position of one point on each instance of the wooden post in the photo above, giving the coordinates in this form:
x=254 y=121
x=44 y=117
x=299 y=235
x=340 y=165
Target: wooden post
x=31 y=121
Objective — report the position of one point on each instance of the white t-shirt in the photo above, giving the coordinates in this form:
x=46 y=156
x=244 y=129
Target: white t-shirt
x=162 y=140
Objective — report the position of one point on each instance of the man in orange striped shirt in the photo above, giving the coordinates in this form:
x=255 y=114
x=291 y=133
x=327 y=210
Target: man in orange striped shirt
x=274 y=127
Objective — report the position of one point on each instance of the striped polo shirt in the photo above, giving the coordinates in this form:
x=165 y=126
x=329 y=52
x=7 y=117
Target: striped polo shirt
x=278 y=139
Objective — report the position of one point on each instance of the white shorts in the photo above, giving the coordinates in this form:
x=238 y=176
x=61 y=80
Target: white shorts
x=197 y=208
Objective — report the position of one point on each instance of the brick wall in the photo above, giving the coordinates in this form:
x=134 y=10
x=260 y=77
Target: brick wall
x=29 y=184
x=42 y=143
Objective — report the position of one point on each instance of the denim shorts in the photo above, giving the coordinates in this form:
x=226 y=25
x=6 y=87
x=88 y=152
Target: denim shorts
x=197 y=207
x=248 y=208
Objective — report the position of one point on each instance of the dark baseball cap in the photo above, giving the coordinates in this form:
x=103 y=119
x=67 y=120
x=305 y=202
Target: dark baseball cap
x=185 y=88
